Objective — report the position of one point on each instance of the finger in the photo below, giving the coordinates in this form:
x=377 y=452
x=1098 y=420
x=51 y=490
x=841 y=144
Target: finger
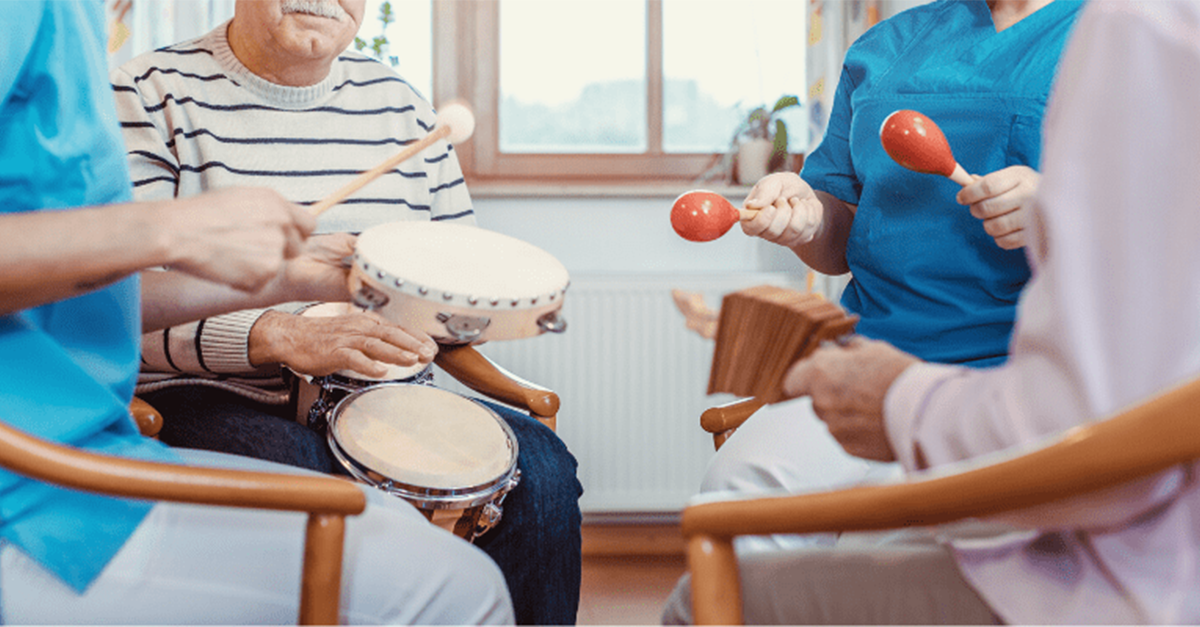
x=756 y=226
x=797 y=381
x=362 y=364
x=1011 y=241
x=986 y=187
x=763 y=193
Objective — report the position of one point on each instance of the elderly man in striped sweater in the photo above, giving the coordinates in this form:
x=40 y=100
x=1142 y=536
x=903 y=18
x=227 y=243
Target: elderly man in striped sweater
x=274 y=98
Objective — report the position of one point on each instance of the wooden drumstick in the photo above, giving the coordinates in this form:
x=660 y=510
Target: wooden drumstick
x=454 y=121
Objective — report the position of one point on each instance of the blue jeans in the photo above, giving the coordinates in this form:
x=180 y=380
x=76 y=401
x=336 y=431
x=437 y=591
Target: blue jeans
x=536 y=543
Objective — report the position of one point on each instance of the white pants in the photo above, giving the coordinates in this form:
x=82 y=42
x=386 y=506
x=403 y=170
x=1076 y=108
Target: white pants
x=785 y=447
x=196 y=564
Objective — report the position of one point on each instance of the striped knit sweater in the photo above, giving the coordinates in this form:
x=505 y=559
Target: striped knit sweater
x=195 y=118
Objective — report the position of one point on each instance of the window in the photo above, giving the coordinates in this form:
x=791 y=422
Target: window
x=618 y=90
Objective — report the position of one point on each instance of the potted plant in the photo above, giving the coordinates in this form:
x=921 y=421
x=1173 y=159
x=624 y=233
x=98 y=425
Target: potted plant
x=761 y=141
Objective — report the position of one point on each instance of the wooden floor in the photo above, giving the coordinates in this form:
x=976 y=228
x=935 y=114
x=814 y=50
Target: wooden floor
x=628 y=571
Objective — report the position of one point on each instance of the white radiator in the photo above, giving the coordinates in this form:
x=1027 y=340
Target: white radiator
x=632 y=381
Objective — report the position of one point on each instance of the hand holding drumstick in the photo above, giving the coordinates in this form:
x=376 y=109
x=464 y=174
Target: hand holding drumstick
x=455 y=123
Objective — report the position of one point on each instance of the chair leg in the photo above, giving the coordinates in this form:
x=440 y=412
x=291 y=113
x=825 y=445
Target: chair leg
x=321 y=586
x=716 y=586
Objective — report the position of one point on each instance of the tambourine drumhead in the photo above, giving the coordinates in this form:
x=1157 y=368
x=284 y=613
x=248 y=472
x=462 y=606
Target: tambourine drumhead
x=462 y=259
x=394 y=372
x=458 y=283
x=423 y=436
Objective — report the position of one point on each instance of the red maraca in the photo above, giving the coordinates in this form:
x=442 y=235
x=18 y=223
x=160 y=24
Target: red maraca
x=916 y=143
x=702 y=216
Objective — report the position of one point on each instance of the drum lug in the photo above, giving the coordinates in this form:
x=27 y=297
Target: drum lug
x=552 y=323
x=464 y=329
x=369 y=298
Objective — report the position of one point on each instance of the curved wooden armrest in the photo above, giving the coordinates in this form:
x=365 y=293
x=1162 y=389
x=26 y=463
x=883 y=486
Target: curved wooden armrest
x=1146 y=439
x=148 y=419
x=326 y=499
x=723 y=420
x=481 y=374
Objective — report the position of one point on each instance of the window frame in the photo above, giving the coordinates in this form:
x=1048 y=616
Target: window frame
x=466 y=44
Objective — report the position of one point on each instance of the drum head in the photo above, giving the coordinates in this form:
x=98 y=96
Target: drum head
x=423 y=436
x=461 y=259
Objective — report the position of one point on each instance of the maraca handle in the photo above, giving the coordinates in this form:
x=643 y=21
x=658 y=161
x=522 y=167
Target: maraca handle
x=746 y=214
x=960 y=176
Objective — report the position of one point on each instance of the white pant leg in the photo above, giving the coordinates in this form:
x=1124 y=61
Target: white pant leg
x=785 y=447
x=196 y=564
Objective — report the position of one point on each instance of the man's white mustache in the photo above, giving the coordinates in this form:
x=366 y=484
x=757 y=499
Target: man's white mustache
x=322 y=8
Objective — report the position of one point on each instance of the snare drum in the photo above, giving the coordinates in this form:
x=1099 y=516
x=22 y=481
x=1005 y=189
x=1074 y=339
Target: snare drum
x=315 y=397
x=449 y=456
x=460 y=284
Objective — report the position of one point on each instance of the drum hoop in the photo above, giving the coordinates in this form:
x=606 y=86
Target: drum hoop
x=480 y=302
x=345 y=383
x=425 y=496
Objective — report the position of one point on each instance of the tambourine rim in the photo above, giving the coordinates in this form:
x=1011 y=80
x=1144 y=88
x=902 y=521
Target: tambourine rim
x=369 y=270
x=432 y=497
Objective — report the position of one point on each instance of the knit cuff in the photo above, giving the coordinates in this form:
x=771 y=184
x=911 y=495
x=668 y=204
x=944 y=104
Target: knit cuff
x=225 y=341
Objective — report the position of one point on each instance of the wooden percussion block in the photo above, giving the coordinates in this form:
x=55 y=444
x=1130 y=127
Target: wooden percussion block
x=762 y=331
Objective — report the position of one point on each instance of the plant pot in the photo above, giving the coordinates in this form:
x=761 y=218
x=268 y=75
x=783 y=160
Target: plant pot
x=752 y=158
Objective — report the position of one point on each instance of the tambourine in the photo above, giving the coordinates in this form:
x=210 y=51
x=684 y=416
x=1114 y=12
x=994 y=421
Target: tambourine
x=459 y=284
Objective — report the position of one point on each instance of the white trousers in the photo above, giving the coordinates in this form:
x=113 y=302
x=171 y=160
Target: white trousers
x=785 y=447
x=891 y=577
x=194 y=564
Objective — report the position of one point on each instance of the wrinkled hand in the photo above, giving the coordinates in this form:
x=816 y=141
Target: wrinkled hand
x=1000 y=199
x=319 y=345
x=848 y=385
x=320 y=272
x=789 y=213
x=238 y=237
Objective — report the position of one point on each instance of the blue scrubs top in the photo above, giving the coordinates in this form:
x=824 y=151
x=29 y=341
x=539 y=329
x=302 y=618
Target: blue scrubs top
x=67 y=369
x=926 y=277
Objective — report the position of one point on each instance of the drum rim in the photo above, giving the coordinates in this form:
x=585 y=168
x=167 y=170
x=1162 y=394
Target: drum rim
x=424 y=496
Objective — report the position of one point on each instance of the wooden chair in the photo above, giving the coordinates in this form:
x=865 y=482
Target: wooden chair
x=327 y=500
x=1153 y=436
x=721 y=421
x=476 y=371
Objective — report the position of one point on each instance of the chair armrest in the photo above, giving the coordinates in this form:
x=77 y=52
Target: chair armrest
x=474 y=370
x=1151 y=437
x=118 y=476
x=148 y=419
x=327 y=500
x=723 y=420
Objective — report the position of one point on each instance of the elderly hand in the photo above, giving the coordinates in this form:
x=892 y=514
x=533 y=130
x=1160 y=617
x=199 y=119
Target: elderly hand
x=1000 y=199
x=320 y=272
x=238 y=237
x=848 y=384
x=319 y=345
x=789 y=213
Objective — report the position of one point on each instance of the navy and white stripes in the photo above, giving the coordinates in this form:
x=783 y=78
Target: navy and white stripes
x=195 y=119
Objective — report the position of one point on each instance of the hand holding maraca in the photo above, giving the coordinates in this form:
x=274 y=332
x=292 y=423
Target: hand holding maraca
x=998 y=199
x=781 y=208
x=790 y=213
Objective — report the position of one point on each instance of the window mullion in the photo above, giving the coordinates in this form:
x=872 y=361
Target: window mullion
x=654 y=77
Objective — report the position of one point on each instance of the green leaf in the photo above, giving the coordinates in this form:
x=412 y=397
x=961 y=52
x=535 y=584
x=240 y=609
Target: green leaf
x=785 y=102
